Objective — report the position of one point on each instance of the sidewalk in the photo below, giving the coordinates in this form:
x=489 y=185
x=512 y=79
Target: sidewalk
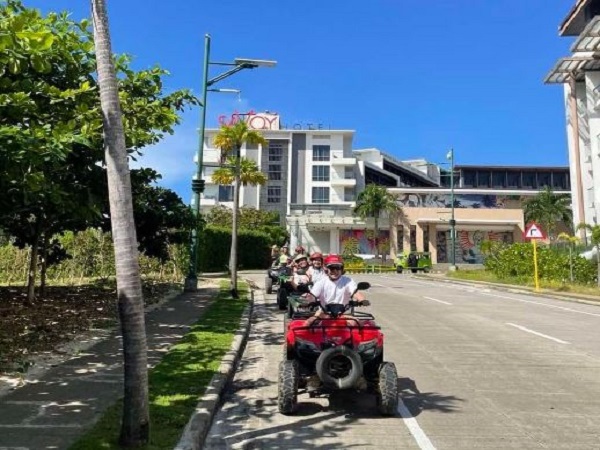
x=69 y=398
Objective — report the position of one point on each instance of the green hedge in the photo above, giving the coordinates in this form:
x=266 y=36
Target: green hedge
x=253 y=249
x=516 y=260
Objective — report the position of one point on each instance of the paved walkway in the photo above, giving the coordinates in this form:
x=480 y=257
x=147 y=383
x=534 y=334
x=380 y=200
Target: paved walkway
x=69 y=398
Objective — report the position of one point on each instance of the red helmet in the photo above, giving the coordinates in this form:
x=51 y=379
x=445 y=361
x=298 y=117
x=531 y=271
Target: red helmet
x=316 y=255
x=333 y=259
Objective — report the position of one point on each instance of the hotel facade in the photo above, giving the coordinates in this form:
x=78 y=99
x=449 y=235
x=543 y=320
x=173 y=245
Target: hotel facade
x=314 y=177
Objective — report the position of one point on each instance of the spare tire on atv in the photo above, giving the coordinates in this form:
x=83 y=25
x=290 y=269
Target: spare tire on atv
x=387 y=397
x=339 y=367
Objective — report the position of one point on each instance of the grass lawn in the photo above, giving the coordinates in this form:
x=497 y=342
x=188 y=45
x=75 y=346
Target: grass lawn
x=484 y=275
x=179 y=380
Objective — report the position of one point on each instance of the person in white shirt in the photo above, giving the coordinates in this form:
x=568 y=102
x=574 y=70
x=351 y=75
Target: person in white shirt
x=334 y=288
x=316 y=270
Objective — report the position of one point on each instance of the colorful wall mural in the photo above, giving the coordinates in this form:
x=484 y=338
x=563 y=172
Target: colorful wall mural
x=362 y=242
x=468 y=245
x=460 y=201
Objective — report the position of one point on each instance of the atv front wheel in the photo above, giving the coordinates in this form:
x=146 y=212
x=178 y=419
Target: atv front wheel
x=398 y=269
x=387 y=397
x=287 y=398
x=269 y=285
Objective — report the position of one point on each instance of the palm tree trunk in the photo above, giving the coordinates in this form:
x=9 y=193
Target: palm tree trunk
x=135 y=427
x=44 y=264
x=33 y=262
x=598 y=262
x=234 y=227
x=377 y=236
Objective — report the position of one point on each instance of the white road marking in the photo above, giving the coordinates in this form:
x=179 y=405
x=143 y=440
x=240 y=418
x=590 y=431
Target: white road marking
x=564 y=308
x=413 y=426
x=560 y=341
x=439 y=301
x=486 y=292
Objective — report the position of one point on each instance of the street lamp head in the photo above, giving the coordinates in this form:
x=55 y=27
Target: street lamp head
x=254 y=62
x=227 y=91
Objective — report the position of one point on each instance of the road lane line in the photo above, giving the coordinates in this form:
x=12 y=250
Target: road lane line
x=439 y=301
x=560 y=341
x=564 y=308
x=413 y=426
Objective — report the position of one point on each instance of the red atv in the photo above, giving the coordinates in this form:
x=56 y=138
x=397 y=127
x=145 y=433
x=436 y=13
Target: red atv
x=344 y=351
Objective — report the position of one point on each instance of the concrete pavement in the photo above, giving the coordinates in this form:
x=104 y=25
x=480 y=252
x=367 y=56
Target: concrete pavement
x=477 y=368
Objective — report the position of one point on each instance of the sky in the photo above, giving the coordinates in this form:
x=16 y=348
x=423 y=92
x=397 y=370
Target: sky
x=411 y=77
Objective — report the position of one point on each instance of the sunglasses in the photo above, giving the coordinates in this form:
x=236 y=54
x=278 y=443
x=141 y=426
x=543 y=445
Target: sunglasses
x=334 y=267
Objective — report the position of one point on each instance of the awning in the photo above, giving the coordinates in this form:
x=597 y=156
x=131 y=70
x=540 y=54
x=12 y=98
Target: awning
x=589 y=39
x=473 y=224
x=572 y=66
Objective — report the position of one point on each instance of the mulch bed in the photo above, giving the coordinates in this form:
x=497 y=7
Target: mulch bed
x=57 y=317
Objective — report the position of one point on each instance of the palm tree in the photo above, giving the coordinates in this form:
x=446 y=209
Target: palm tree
x=135 y=427
x=230 y=140
x=249 y=173
x=548 y=209
x=572 y=241
x=595 y=237
x=373 y=201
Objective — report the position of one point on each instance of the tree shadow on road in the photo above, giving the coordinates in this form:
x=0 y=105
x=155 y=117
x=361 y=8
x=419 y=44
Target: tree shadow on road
x=416 y=401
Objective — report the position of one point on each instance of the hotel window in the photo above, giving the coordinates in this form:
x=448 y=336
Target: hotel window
x=513 y=179
x=559 y=180
x=469 y=178
x=225 y=193
x=320 y=173
x=543 y=180
x=349 y=173
x=275 y=152
x=274 y=194
x=320 y=194
x=499 y=179
x=348 y=194
x=274 y=172
x=321 y=152
x=483 y=179
x=529 y=180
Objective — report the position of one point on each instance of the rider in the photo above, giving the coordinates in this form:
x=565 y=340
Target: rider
x=316 y=271
x=285 y=256
x=334 y=288
x=300 y=275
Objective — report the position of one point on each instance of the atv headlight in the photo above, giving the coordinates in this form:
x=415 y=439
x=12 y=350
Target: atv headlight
x=367 y=348
x=306 y=345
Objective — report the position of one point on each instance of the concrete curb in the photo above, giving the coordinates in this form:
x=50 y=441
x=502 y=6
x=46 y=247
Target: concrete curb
x=197 y=428
x=516 y=289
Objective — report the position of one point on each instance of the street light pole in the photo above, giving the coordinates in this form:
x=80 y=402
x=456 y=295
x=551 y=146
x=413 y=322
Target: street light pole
x=452 y=219
x=191 y=281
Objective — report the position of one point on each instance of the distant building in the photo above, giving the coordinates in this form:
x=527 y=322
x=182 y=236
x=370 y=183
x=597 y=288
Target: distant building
x=314 y=177
x=579 y=73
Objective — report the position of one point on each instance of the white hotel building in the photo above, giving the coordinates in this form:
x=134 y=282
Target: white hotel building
x=314 y=176
x=579 y=73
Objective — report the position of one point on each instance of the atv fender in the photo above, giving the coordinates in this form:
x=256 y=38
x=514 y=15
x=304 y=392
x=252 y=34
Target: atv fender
x=326 y=358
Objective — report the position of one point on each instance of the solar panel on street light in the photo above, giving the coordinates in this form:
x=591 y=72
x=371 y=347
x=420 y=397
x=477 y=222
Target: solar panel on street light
x=255 y=62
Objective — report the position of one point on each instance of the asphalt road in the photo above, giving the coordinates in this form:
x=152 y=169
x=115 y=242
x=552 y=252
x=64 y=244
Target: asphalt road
x=478 y=368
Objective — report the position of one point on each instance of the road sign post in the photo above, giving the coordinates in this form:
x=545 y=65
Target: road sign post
x=534 y=232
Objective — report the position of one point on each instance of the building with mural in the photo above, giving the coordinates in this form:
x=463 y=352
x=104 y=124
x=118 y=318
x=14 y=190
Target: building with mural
x=314 y=176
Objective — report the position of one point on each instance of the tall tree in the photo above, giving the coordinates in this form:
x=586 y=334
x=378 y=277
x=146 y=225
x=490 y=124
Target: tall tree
x=549 y=209
x=135 y=428
x=249 y=173
x=51 y=176
x=230 y=139
x=372 y=202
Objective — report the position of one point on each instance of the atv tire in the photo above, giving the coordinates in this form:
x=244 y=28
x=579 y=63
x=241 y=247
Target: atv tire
x=268 y=285
x=398 y=269
x=333 y=356
x=287 y=398
x=387 y=397
x=282 y=298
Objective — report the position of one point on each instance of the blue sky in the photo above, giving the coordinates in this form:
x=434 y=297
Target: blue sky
x=413 y=78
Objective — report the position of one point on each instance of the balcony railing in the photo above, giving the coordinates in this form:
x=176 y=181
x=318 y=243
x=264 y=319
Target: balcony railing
x=329 y=210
